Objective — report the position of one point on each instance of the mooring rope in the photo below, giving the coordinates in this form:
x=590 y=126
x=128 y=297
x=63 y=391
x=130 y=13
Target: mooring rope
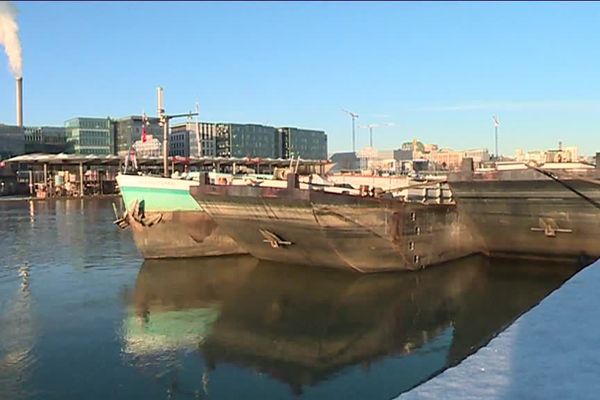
x=566 y=185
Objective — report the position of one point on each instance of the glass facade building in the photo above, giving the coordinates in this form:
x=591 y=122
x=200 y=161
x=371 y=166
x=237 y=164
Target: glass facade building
x=90 y=135
x=12 y=141
x=246 y=140
x=307 y=144
x=45 y=139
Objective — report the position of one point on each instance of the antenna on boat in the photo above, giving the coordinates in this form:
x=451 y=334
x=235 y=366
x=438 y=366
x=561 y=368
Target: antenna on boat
x=164 y=122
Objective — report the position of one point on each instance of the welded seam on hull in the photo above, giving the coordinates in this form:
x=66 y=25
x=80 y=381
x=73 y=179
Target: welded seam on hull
x=316 y=210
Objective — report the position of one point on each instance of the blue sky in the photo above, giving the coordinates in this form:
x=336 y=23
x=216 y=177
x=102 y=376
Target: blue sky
x=437 y=71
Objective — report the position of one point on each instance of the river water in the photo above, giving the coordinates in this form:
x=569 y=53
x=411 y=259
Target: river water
x=82 y=316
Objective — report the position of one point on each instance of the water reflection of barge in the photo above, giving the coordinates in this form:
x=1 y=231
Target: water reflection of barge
x=320 y=228
x=552 y=210
x=326 y=330
x=175 y=302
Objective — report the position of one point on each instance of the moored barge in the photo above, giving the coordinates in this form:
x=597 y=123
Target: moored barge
x=549 y=210
x=365 y=233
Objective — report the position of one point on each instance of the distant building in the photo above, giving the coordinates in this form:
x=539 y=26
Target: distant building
x=446 y=158
x=562 y=154
x=246 y=140
x=414 y=150
x=151 y=148
x=208 y=143
x=128 y=130
x=414 y=145
x=478 y=155
x=428 y=148
x=536 y=155
x=345 y=161
x=204 y=139
x=193 y=140
x=12 y=141
x=403 y=155
x=304 y=143
x=519 y=155
x=90 y=135
x=378 y=160
x=573 y=152
x=252 y=140
x=385 y=161
x=179 y=141
x=45 y=139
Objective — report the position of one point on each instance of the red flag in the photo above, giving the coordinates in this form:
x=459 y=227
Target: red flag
x=144 y=124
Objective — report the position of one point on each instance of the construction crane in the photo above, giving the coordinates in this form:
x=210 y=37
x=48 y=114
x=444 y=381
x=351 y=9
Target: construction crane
x=354 y=116
x=371 y=127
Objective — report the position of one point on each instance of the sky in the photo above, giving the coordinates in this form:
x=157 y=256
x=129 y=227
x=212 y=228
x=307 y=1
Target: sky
x=433 y=71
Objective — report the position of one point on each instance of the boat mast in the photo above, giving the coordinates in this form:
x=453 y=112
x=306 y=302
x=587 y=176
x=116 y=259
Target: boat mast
x=164 y=122
x=199 y=144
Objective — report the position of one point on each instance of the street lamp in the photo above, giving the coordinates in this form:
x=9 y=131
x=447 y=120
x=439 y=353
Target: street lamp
x=371 y=126
x=353 y=116
x=496 y=125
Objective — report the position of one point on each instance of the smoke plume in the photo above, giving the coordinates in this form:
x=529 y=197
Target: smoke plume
x=9 y=37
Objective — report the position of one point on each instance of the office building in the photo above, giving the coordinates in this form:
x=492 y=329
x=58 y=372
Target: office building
x=246 y=140
x=193 y=140
x=45 y=139
x=90 y=135
x=307 y=144
x=12 y=141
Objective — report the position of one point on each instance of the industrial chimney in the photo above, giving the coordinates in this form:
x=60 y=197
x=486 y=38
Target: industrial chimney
x=20 y=101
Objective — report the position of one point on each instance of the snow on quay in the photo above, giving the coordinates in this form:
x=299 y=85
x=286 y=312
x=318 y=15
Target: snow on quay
x=551 y=352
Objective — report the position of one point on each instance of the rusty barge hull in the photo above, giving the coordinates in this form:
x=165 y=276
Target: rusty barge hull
x=181 y=234
x=166 y=222
x=526 y=214
x=316 y=228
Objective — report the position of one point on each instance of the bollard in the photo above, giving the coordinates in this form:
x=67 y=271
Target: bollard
x=204 y=179
x=466 y=165
x=293 y=181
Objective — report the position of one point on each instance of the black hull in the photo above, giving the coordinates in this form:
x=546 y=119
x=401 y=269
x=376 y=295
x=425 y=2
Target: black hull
x=527 y=214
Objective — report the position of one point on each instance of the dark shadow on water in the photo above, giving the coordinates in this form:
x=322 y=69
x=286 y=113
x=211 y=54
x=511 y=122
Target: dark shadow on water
x=272 y=330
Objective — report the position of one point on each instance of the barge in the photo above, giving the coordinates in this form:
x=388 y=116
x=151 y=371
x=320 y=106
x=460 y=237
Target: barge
x=550 y=210
x=325 y=227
